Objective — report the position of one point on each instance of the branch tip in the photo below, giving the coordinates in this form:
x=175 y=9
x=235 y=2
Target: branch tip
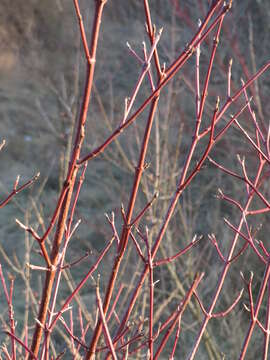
x=2 y=144
x=217 y=103
x=160 y=31
x=20 y=224
x=246 y=307
x=146 y=28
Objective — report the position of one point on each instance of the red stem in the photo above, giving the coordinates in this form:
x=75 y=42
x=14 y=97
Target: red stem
x=267 y=325
x=105 y=326
x=224 y=271
x=126 y=229
x=179 y=190
x=69 y=182
x=180 y=312
x=17 y=190
x=170 y=73
x=254 y=317
x=81 y=284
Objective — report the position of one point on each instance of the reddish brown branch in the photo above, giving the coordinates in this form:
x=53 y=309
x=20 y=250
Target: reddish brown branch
x=126 y=230
x=16 y=190
x=14 y=337
x=180 y=312
x=81 y=284
x=177 y=255
x=104 y=323
x=70 y=180
x=222 y=313
x=170 y=73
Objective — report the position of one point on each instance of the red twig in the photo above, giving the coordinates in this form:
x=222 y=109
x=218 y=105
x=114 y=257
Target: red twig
x=15 y=338
x=194 y=241
x=38 y=239
x=236 y=96
x=248 y=239
x=138 y=248
x=177 y=334
x=143 y=211
x=115 y=302
x=9 y=296
x=66 y=195
x=70 y=333
x=104 y=323
x=75 y=262
x=81 y=284
x=126 y=229
x=151 y=297
x=152 y=35
x=182 y=308
x=16 y=190
x=183 y=182
x=255 y=310
x=222 y=313
x=170 y=73
x=225 y=268
x=253 y=186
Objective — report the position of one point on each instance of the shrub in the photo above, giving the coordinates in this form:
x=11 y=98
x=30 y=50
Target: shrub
x=160 y=275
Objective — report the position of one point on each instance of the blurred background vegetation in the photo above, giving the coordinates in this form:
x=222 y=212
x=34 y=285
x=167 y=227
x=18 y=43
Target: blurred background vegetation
x=41 y=82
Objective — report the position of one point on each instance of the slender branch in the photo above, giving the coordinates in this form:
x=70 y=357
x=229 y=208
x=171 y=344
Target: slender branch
x=225 y=268
x=13 y=336
x=194 y=241
x=70 y=179
x=126 y=229
x=170 y=73
x=16 y=190
x=104 y=323
x=81 y=284
x=182 y=308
